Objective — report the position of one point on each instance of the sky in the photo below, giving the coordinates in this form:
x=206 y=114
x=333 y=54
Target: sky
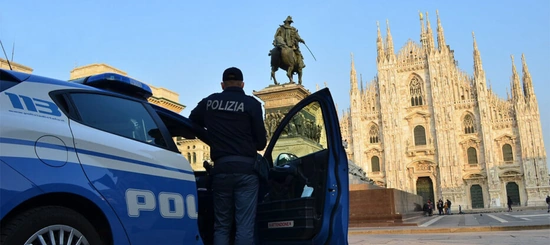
x=184 y=46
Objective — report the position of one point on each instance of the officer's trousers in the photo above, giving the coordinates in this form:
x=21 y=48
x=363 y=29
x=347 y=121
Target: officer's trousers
x=235 y=199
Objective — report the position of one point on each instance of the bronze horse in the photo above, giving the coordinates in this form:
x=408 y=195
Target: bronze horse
x=285 y=58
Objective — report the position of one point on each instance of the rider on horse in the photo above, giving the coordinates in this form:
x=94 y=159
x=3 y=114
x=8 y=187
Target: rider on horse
x=288 y=35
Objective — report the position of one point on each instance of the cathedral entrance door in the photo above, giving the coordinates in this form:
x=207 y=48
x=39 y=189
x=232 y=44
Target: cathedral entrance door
x=512 y=190
x=476 y=194
x=425 y=188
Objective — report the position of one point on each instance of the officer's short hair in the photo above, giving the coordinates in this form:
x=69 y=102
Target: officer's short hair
x=232 y=74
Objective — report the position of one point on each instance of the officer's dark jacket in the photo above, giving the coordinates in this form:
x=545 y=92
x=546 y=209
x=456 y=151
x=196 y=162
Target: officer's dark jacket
x=235 y=126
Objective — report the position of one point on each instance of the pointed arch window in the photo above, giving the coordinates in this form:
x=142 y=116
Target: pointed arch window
x=375 y=164
x=373 y=134
x=472 y=155
x=469 y=126
x=507 y=153
x=416 y=92
x=419 y=135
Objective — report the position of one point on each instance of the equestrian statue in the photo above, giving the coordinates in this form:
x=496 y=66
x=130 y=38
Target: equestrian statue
x=286 y=52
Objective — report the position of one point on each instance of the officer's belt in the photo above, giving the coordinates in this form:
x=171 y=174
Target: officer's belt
x=235 y=158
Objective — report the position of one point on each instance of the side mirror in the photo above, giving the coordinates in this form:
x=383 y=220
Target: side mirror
x=284 y=158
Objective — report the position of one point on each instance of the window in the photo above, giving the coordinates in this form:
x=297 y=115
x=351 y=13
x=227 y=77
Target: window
x=507 y=153
x=194 y=157
x=416 y=92
x=419 y=135
x=303 y=136
x=189 y=157
x=373 y=134
x=4 y=84
x=375 y=164
x=469 y=124
x=472 y=155
x=124 y=117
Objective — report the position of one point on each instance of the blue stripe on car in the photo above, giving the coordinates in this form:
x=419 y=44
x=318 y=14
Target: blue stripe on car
x=88 y=152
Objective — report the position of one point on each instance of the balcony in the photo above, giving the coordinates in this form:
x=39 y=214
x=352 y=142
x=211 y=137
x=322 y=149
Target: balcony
x=473 y=166
x=414 y=150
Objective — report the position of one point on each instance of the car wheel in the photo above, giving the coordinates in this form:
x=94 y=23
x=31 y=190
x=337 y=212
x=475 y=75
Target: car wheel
x=49 y=225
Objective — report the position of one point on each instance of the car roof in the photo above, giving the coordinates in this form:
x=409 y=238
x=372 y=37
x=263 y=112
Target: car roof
x=16 y=76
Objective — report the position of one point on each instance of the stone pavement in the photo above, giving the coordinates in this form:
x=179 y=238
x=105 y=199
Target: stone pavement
x=537 y=219
x=526 y=237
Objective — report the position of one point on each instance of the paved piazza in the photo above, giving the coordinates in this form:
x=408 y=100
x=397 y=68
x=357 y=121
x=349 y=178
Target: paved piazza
x=515 y=218
x=528 y=237
x=476 y=228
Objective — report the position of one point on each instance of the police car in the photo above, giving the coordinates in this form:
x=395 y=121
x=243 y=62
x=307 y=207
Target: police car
x=90 y=161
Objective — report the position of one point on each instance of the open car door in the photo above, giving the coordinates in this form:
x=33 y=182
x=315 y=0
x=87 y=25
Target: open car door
x=307 y=201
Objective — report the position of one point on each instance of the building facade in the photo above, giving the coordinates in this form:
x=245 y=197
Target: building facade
x=4 y=64
x=426 y=127
x=195 y=151
x=161 y=96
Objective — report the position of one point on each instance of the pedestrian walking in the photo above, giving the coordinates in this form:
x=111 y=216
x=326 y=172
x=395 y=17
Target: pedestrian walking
x=449 y=206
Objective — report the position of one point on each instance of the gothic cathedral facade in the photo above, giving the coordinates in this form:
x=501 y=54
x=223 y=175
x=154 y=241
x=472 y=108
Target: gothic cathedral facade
x=426 y=127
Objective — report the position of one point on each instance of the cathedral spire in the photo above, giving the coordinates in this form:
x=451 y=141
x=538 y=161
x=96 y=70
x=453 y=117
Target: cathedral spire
x=379 y=44
x=429 y=33
x=527 y=82
x=361 y=81
x=440 y=36
x=389 y=41
x=478 y=67
x=353 y=76
x=517 y=94
x=422 y=30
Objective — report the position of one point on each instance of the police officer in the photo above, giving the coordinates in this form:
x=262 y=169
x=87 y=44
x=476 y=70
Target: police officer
x=236 y=131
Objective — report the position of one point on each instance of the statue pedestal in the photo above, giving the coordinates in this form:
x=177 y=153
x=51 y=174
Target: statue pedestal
x=296 y=137
x=281 y=97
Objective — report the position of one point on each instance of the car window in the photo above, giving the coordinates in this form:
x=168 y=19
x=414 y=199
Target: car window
x=303 y=135
x=4 y=85
x=119 y=116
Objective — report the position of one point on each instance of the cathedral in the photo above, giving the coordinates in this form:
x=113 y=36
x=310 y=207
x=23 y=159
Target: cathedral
x=424 y=126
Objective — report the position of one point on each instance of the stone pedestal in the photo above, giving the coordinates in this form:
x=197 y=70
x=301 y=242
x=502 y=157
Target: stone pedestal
x=278 y=100
x=298 y=137
x=375 y=207
x=281 y=97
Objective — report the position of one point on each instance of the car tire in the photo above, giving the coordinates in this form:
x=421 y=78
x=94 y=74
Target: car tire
x=47 y=221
